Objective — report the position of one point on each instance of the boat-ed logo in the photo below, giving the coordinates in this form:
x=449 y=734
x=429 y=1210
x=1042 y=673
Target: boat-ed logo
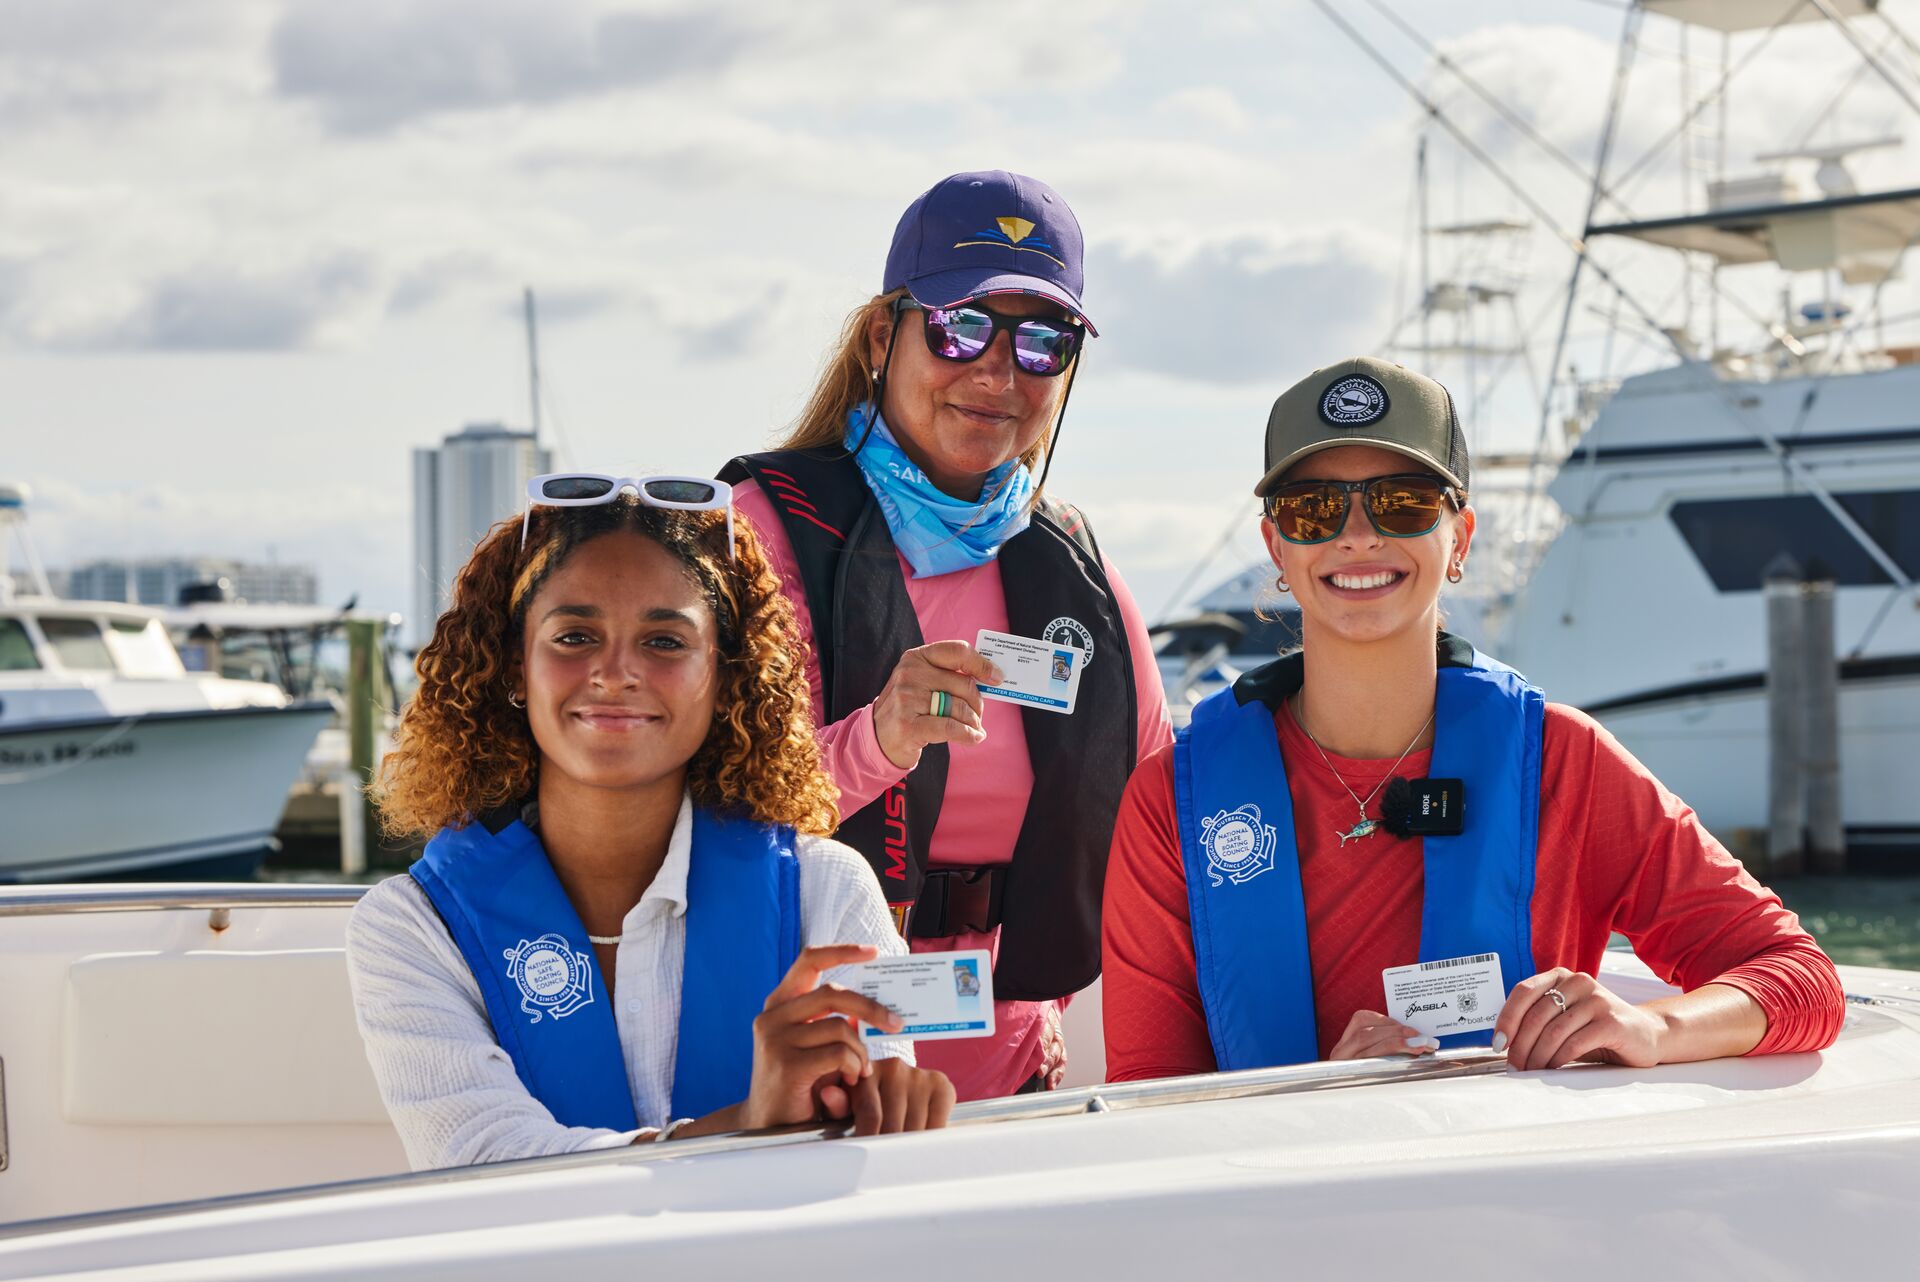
x=1354 y=401
x=553 y=978
x=1238 y=845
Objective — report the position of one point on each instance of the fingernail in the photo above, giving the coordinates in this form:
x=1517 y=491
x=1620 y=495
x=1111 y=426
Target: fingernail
x=1499 y=1041
x=994 y=675
x=1423 y=1044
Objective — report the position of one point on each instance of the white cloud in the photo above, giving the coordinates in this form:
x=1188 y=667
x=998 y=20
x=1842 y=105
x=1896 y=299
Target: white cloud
x=1204 y=107
x=1236 y=307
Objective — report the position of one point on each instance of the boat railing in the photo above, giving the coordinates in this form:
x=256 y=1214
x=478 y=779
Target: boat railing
x=218 y=901
x=1089 y=1101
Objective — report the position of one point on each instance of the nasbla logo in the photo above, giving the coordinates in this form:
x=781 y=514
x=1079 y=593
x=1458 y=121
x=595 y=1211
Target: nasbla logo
x=1420 y=1007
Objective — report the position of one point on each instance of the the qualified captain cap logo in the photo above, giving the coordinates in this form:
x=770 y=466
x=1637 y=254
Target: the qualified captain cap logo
x=1354 y=401
x=552 y=977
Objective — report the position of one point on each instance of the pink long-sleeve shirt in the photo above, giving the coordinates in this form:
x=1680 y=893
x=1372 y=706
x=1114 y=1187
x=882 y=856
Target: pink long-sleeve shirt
x=987 y=784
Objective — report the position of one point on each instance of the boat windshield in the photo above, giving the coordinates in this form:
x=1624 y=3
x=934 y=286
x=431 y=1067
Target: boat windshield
x=78 y=644
x=16 y=648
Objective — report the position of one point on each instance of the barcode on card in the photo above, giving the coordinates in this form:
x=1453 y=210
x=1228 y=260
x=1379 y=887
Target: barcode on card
x=1459 y=961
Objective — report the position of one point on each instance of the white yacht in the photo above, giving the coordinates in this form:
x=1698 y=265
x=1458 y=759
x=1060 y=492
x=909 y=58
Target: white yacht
x=114 y=758
x=1627 y=580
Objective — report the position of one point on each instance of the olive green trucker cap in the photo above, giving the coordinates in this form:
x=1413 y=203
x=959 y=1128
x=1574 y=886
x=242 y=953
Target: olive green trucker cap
x=1365 y=401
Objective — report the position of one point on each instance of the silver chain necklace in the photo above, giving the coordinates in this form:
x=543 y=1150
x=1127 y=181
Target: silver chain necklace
x=1366 y=827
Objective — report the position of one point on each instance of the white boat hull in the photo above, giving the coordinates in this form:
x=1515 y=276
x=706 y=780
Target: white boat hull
x=1710 y=749
x=106 y=794
x=1800 y=1166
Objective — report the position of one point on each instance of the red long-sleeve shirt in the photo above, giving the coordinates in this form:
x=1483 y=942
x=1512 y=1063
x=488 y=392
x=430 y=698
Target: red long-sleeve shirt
x=1617 y=851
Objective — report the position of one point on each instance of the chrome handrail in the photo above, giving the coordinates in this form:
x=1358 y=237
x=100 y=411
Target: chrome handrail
x=34 y=901
x=1088 y=1101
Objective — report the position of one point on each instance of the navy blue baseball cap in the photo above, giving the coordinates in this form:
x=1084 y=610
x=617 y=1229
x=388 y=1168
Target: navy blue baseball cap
x=988 y=233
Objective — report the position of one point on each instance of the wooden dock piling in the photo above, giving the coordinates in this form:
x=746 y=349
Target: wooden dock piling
x=1826 y=828
x=1786 y=718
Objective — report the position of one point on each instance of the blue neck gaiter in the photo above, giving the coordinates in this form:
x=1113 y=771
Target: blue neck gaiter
x=936 y=532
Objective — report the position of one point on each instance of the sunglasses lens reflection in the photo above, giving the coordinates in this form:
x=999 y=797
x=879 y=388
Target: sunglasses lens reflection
x=1043 y=348
x=958 y=333
x=576 y=487
x=1309 y=512
x=680 y=491
x=1404 y=506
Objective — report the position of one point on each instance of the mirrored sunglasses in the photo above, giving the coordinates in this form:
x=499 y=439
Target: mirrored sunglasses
x=1042 y=345
x=583 y=489
x=1400 y=507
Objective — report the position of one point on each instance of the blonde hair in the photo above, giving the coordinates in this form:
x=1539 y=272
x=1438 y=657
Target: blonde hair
x=846 y=382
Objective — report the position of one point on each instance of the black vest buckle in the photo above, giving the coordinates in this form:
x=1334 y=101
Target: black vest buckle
x=958 y=899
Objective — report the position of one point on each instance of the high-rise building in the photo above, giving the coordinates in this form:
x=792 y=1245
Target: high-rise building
x=157 y=581
x=460 y=488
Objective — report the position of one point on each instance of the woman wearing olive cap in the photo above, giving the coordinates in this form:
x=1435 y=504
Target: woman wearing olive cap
x=1389 y=795
x=906 y=511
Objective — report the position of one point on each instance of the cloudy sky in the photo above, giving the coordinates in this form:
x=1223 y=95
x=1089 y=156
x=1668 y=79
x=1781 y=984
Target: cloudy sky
x=251 y=253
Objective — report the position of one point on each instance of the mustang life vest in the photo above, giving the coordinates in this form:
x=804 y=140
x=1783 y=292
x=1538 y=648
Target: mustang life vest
x=1047 y=900
x=494 y=888
x=1250 y=947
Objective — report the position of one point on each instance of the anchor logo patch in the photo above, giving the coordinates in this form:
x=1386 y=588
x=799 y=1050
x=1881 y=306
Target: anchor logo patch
x=553 y=978
x=1239 y=846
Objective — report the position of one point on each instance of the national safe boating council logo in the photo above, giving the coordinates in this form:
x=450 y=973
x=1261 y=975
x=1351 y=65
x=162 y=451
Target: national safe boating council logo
x=1237 y=844
x=553 y=978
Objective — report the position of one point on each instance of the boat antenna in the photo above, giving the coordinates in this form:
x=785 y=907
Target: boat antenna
x=533 y=362
x=1866 y=54
x=1426 y=233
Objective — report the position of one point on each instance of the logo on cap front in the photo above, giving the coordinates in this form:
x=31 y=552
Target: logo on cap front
x=1011 y=233
x=1354 y=401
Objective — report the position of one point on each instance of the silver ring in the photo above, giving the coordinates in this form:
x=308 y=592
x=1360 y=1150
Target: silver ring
x=1559 y=998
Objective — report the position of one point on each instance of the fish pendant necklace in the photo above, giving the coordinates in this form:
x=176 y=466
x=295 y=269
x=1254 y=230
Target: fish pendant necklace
x=1366 y=827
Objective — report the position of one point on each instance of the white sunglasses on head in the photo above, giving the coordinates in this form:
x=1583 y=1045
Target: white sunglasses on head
x=584 y=489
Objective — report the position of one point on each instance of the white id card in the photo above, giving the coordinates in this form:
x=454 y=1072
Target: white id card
x=938 y=995
x=1039 y=674
x=1458 y=995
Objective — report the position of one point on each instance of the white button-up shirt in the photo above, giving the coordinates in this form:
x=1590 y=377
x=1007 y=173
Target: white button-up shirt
x=452 y=1091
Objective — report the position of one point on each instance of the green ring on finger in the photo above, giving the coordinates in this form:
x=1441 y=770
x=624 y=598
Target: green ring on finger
x=940 y=702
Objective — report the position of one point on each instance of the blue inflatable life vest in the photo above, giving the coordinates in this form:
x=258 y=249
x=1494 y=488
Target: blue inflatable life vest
x=1235 y=815
x=507 y=912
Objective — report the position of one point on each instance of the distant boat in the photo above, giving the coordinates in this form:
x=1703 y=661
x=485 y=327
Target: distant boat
x=115 y=759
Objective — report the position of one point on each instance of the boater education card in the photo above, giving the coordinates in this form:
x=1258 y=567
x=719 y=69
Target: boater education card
x=938 y=995
x=1039 y=674
x=1457 y=995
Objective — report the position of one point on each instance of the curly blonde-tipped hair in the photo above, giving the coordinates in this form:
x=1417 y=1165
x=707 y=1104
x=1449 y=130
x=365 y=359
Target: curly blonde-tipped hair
x=463 y=750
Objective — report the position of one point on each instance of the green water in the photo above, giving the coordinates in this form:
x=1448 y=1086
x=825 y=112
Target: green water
x=1860 y=921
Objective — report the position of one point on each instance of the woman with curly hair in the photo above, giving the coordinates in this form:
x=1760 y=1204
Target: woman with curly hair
x=619 y=927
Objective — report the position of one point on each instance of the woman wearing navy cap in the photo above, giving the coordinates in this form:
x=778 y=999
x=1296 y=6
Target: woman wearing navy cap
x=1385 y=800
x=905 y=512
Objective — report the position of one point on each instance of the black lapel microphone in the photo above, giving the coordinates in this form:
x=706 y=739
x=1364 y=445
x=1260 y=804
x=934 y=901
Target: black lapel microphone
x=1424 y=807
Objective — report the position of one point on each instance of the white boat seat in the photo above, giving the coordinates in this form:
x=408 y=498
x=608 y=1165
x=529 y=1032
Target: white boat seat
x=196 y=1038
